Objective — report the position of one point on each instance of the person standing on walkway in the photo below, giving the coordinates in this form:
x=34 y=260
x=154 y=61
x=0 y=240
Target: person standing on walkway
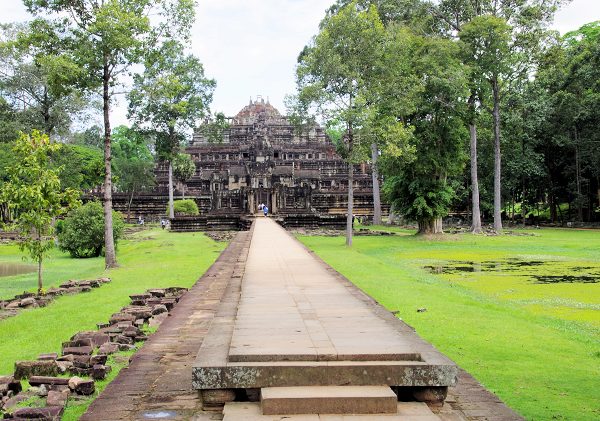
x=265 y=210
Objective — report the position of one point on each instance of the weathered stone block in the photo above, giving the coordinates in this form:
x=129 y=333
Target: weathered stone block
x=39 y=380
x=81 y=386
x=26 y=369
x=57 y=398
x=108 y=348
x=49 y=413
x=78 y=350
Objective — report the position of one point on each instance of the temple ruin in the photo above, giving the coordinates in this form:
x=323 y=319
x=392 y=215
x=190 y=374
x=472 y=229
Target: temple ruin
x=262 y=158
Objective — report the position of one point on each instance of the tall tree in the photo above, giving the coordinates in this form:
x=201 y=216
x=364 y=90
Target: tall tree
x=526 y=22
x=107 y=37
x=421 y=188
x=333 y=73
x=171 y=95
x=33 y=190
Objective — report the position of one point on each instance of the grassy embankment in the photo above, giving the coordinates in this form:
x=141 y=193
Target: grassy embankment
x=150 y=259
x=535 y=345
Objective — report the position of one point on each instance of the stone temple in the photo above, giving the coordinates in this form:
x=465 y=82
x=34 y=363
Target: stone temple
x=263 y=159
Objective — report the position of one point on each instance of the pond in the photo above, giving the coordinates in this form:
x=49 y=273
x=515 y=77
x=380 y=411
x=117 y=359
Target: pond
x=527 y=269
x=11 y=268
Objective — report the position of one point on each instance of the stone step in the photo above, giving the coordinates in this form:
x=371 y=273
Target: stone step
x=211 y=374
x=251 y=411
x=328 y=400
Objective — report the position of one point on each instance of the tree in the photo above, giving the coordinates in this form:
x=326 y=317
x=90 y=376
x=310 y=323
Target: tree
x=420 y=188
x=171 y=95
x=526 y=22
x=106 y=38
x=33 y=190
x=38 y=76
x=487 y=40
x=82 y=231
x=82 y=167
x=333 y=76
x=183 y=169
x=133 y=162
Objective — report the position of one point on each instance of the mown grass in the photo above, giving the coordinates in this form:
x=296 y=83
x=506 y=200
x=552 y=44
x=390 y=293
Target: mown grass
x=150 y=259
x=536 y=345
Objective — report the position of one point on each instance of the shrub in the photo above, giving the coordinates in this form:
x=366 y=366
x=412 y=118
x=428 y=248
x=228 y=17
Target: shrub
x=82 y=232
x=185 y=207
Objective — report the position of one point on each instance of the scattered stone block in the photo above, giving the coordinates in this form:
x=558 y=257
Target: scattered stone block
x=10 y=384
x=122 y=317
x=81 y=386
x=131 y=331
x=98 y=359
x=28 y=302
x=57 y=398
x=122 y=339
x=160 y=308
x=104 y=280
x=64 y=366
x=39 y=380
x=139 y=312
x=100 y=371
x=158 y=292
x=78 y=350
x=26 y=369
x=108 y=348
x=49 y=413
x=95 y=338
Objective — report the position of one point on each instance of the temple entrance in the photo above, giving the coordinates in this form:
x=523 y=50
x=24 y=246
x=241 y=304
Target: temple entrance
x=264 y=196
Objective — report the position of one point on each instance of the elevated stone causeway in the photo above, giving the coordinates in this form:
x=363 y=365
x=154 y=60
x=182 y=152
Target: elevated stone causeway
x=270 y=332
x=292 y=321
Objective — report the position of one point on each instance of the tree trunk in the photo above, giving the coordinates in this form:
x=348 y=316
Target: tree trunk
x=110 y=258
x=171 y=205
x=430 y=226
x=497 y=159
x=376 y=193
x=350 y=216
x=578 y=177
x=476 y=220
x=129 y=205
x=40 y=283
x=183 y=190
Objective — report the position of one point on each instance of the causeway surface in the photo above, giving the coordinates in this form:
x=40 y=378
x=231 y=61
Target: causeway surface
x=158 y=382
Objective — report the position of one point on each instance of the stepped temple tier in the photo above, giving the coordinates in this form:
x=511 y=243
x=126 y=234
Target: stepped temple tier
x=261 y=158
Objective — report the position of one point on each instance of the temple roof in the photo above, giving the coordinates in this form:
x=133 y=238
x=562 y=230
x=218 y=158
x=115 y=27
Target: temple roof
x=258 y=109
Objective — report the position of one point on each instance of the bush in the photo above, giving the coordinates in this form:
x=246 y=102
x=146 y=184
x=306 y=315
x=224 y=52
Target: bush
x=82 y=232
x=185 y=207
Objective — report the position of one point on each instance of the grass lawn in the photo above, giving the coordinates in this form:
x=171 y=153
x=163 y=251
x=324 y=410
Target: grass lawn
x=149 y=259
x=534 y=342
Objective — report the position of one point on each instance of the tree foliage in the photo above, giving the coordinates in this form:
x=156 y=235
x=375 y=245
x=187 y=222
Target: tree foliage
x=33 y=192
x=82 y=231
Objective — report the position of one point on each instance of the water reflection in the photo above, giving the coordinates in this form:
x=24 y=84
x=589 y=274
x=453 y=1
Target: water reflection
x=10 y=269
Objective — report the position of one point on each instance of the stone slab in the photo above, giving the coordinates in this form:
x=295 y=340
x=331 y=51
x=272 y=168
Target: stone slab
x=251 y=411
x=328 y=400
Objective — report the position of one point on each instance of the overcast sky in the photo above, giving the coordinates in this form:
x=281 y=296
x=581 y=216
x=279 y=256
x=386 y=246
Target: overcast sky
x=250 y=46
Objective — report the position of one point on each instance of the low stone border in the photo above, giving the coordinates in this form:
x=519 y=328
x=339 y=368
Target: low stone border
x=85 y=354
x=9 y=308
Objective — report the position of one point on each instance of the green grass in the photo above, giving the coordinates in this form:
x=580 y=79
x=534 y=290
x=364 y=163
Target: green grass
x=535 y=345
x=150 y=259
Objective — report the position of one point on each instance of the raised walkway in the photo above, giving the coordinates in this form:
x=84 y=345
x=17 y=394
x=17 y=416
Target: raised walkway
x=269 y=314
